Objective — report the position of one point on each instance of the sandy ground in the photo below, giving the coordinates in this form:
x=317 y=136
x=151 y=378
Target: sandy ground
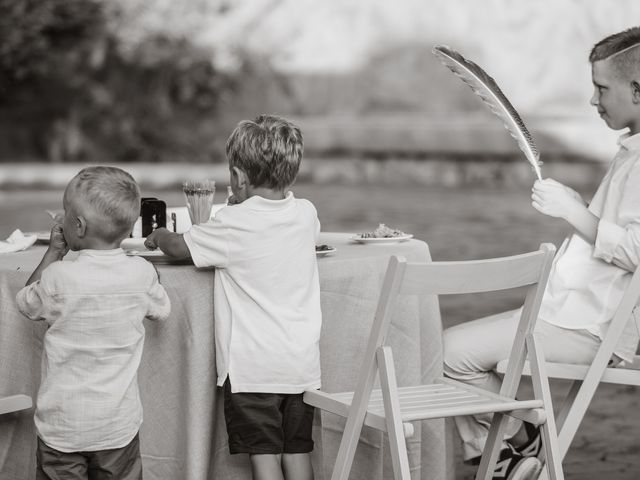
x=457 y=224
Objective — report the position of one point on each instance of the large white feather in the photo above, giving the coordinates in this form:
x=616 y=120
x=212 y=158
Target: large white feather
x=487 y=89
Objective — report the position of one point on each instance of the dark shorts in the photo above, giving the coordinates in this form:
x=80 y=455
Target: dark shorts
x=114 y=464
x=267 y=423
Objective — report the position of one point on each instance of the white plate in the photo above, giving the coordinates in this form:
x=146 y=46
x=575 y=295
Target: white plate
x=146 y=253
x=397 y=239
x=324 y=253
x=135 y=247
x=157 y=256
x=41 y=237
x=133 y=244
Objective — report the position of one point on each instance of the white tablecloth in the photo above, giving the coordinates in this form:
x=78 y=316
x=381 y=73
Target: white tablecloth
x=183 y=435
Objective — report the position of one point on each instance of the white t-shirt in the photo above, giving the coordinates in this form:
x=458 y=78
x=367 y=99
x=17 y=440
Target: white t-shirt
x=88 y=398
x=266 y=293
x=587 y=281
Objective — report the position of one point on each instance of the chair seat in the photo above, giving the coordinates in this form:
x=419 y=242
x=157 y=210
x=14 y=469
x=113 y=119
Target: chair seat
x=624 y=374
x=14 y=403
x=443 y=398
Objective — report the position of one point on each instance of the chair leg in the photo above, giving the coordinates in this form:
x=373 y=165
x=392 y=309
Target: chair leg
x=567 y=403
x=395 y=430
x=575 y=415
x=492 y=447
x=563 y=414
x=565 y=408
x=346 y=451
x=553 y=458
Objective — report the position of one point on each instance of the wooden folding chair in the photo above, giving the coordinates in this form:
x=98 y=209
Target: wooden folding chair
x=390 y=408
x=14 y=403
x=586 y=378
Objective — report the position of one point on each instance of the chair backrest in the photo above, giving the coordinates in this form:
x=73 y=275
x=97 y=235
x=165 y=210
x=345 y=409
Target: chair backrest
x=622 y=324
x=581 y=393
x=474 y=276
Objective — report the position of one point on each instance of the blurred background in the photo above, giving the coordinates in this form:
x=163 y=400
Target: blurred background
x=162 y=81
x=156 y=86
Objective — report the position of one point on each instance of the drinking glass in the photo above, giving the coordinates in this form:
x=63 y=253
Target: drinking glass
x=199 y=197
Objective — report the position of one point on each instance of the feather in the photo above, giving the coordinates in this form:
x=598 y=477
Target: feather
x=487 y=89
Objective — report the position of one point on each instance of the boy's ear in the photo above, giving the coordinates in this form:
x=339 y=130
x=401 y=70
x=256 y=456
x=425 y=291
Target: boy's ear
x=241 y=177
x=81 y=226
x=635 y=91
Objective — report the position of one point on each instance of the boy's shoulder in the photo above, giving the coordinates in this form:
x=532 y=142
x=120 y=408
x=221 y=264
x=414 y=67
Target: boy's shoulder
x=142 y=265
x=254 y=206
x=306 y=203
x=57 y=269
x=68 y=272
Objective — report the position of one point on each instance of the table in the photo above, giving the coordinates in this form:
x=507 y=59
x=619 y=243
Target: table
x=183 y=435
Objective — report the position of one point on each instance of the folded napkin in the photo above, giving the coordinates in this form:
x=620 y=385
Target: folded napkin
x=17 y=241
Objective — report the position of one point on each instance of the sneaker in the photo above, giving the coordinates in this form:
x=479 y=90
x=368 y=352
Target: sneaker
x=533 y=446
x=511 y=465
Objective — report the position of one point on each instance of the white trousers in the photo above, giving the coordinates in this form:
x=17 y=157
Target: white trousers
x=472 y=351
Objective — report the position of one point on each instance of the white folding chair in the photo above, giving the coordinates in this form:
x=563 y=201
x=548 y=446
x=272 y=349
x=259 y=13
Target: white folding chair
x=586 y=378
x=390 y=408
x=14 y=403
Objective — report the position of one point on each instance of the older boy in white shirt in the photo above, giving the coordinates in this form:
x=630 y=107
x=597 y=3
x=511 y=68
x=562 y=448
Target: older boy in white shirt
x=591 y=270
x=88 y=409
x=266 y=298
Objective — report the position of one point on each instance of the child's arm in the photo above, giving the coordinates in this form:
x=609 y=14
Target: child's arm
x=34 y=300
x=557 y=200
x=58 y=248
x=172 y=244
x=160 y=305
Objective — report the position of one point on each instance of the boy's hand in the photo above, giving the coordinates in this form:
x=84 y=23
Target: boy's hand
x=58 y=248
x=152 y=239
x=170 y=243
x=555 y=199
x=57 y=243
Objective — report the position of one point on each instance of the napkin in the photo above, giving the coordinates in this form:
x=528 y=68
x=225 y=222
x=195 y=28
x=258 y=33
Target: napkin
x=17 y=241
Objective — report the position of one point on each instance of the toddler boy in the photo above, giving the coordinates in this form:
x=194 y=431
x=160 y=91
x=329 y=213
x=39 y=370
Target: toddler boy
x=266 y=298
x=88 y=409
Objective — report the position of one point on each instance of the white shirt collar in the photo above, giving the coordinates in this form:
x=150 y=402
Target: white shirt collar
x=87 y=252
x=630 y=142
x=260 y=203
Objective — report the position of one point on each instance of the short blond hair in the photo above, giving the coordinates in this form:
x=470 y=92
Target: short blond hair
x=268 y=149
x=112 y=194
x=622 y=49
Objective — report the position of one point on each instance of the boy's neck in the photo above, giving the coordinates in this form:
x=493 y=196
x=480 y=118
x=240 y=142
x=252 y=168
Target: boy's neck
x=268 y=193
x=90 y=243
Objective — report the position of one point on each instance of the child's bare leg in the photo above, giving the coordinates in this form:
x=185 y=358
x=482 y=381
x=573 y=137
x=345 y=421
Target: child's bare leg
x=266 y=467
x=297 y=466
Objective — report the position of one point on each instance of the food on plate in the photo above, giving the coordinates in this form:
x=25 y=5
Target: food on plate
x=382 y=231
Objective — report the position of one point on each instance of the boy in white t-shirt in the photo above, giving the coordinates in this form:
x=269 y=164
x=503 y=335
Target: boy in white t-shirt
x=266 y=298
x=88 y=410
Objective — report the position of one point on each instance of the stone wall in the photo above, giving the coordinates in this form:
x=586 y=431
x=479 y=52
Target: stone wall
x=435 y=171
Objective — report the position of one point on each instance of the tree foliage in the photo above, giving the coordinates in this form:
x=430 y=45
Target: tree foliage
x=47 y=38
x=69 y=92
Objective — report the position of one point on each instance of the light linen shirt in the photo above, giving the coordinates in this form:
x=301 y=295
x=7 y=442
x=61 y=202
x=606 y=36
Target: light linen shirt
x=587 y=281
x=266 y=293
x=88 y=398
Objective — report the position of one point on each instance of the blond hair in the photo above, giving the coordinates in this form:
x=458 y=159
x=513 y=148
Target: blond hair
x=268 y=149
x=113 y=197
x=622 y=49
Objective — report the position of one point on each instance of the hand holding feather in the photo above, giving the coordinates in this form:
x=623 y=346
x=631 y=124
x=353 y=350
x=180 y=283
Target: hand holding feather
x=557 y=200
